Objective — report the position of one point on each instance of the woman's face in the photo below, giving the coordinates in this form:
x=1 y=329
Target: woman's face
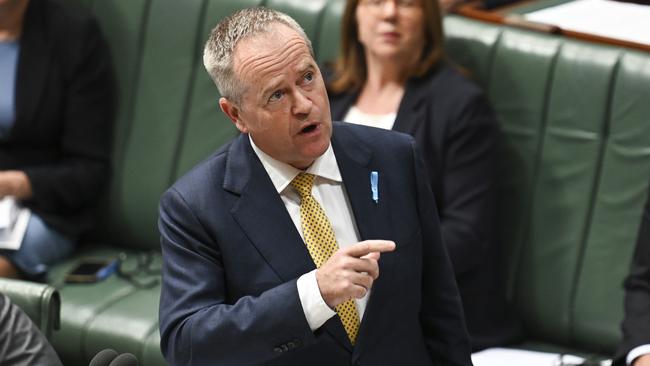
x=391 y=30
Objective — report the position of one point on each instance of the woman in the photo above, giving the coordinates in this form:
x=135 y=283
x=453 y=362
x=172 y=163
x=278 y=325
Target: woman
x=56 y=103
x=391 y=73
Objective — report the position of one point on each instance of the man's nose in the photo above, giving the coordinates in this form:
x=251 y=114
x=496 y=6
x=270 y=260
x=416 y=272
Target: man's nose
x=302 y=105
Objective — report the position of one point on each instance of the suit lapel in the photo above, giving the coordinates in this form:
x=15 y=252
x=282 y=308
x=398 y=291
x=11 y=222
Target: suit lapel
x=410 y=114
x=341 y=103
x=355 y=163
x=373 y=221
x=33 y=65
x=262 y=215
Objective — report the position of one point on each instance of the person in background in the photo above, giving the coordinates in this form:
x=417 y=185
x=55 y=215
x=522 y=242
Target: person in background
x=391 y=73
x=635 y=348
x=56 y=107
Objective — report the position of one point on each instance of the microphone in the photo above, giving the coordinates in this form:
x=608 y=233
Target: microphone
x=125 y=359
x=103 y=357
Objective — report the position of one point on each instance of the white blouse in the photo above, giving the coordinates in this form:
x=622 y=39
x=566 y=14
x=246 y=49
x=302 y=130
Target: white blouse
x=385 y=121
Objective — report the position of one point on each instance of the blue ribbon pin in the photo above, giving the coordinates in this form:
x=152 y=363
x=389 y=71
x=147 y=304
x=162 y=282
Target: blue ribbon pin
x=374 y=185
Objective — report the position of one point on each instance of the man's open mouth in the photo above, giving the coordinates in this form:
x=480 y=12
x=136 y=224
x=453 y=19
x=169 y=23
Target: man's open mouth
x=309 y=128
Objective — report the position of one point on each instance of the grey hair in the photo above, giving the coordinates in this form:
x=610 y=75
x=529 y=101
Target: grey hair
x=220 y=47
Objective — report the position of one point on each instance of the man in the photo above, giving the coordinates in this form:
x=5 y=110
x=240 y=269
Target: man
x=21 y=343
x=263 y=258
x=635 y=350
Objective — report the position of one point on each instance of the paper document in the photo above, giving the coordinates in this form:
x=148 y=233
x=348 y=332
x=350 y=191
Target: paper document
x=517 y=357
x=13 y=223
x=8 y=212
x=606 y=18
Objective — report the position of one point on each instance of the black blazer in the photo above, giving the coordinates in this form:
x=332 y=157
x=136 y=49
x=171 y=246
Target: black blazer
x=232 y=255
x=455 y=129
x=636 y=324
x=64 y=107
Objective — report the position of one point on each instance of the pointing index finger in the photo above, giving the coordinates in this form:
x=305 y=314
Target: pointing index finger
x=369 y=246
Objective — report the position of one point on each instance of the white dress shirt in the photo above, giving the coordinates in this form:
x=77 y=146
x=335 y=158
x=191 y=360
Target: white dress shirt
x=330 y=193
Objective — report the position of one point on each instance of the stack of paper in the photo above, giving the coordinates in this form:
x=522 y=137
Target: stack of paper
x=606 y=18
x=517 y=357
x=8 y=212
x=13 y=223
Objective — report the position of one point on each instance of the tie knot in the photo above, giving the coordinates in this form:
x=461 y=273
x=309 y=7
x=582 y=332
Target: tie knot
x=303 y=183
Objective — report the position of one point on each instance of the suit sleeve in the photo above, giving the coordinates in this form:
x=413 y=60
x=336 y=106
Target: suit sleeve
x=637 y=294
x=21 y=342
x=468 y=193
x=79 y=175
x=442 y=319
x=198 y=325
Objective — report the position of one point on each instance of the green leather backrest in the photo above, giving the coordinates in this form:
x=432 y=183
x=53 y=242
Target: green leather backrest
x=206 y=127
x=518 y=97
x=621 y=191
x=575 y=166
x=568 y=160
x=161 y=92
x=327 y=45
x=471 y=45
x=155 y=47
x=40 y=302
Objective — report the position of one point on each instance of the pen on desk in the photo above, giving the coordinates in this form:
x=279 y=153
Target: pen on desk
x=374 y=185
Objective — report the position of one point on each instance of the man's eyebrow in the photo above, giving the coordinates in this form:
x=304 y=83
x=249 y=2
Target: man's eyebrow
x=306 y=65
x=272 y=87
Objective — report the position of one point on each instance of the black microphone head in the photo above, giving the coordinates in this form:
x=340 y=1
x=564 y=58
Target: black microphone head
x=103 y=357
x=125 y=359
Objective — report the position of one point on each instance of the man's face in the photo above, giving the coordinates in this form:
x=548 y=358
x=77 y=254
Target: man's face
x=284 y=106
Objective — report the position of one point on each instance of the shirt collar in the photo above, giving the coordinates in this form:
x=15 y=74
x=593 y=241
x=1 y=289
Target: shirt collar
x=282 y=174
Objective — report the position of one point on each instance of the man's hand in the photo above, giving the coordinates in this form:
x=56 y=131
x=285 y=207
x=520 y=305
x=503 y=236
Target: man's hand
x=15 y=183
x=642 y=361
x=350 y=272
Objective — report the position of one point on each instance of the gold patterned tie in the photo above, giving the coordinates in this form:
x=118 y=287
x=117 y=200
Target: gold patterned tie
x=321 y=243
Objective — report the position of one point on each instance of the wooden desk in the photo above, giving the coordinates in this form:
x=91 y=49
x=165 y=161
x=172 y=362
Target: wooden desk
x=512 y=15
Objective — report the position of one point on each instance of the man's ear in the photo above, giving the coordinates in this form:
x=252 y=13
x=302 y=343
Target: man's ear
x=232 y=111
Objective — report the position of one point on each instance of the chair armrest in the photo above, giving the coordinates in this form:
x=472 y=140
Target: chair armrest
x=41 y=302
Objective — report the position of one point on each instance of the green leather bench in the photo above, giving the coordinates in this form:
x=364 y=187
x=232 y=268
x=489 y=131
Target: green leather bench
x=41 y=302
x=575 y=155
x=575 y=166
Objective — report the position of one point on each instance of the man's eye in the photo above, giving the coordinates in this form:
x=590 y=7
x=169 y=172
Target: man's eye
x=275 y=96
x=309 y=76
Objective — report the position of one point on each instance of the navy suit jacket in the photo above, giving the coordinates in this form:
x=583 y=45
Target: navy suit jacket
x=456 y=131
x=636 y=324
x=232 y=256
